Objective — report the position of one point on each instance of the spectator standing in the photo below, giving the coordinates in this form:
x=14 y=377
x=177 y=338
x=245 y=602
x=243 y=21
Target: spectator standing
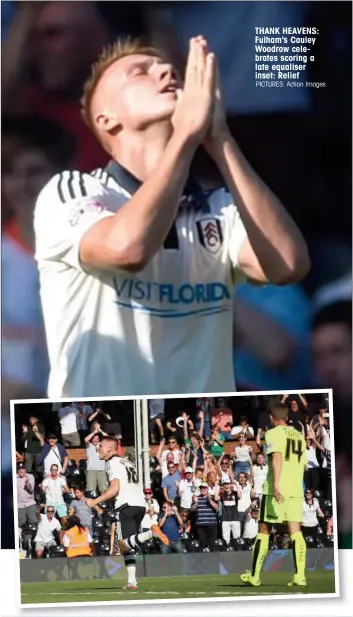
x=243 y=428
x=47 y=525
x=199 y=479
x=206 y=521
x=230 y=496
x=170 y=522
x=225 y=466
x=98 y=415
x=204 y=408
x=251 y=522
x=247 y=495
x=68 y=415
x=320 y=413
x=311 y=510
x=152 y=510
x=96 y=476
x=54 y=486
x=77 y=539
x=312 y=471
x=33 y=439
x=85 y=411
x=186 y=489
x=170 y=483
x=79 y=507
x=242 y=453
x=26 y=504
x=216 y=443
x=195 y=449
x=259 y=472
x=297 y=410
x=53 y=452
x=173 y=448
x=156 y=416
x=222 y=418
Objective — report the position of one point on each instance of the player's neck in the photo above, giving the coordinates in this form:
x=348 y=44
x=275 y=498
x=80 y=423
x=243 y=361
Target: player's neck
x=141 y=151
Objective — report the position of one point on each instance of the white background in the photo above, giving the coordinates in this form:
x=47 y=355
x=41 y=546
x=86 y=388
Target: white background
x=337 y=607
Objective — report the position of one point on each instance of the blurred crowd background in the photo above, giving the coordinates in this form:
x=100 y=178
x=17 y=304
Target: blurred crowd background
x=297 y=139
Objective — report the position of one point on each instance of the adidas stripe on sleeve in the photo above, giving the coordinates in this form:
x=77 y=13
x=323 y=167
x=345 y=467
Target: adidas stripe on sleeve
x=66 y=208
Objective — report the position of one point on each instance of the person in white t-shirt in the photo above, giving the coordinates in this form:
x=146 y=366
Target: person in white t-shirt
x=138 y=245
x=186 y=489
x=247 y=494
x=171 y=454
x=251 y=523
x=259 y=474
x=67 y=415
x=311 y=510
x=47 y=525
x=152 y=510
x=242 y=428
x=130 y=505
x=54 y=486
x=243 y=456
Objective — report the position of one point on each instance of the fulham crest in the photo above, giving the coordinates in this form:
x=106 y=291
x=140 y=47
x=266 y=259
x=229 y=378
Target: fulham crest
x=210 y=233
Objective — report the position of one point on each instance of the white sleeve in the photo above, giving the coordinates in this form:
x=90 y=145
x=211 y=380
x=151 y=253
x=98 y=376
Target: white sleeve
x=66 y=541
x=89 y=538
x=66 y=208
x=58 y=526
x=156 y=506
x=45 y=482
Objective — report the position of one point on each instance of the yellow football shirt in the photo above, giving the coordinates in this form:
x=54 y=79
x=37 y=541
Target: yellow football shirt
x=290 y=443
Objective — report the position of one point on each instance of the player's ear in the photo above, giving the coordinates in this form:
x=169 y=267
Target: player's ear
x=107 y=123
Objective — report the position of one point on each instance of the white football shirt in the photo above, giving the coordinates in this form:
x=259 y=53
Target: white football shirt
x=130 y=492
x=166 y=329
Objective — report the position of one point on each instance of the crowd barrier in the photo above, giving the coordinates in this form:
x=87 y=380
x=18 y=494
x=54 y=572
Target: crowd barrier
x=100 y=568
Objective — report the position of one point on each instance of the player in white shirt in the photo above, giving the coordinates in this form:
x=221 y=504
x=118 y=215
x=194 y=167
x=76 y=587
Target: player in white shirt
x=136 y=262
x=130 y=505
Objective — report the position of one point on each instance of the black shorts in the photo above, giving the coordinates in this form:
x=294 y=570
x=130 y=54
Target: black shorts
x=130 y=519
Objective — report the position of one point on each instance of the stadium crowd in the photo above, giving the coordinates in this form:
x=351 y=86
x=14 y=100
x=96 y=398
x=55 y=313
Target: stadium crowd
x=291 y=337
x=207 y=474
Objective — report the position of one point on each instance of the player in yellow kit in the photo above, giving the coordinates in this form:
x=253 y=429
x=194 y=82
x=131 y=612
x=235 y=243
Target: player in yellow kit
x=283 y=496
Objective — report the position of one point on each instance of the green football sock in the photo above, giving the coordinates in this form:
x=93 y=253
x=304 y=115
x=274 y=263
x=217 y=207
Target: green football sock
x=299 y=553
x=259 y=553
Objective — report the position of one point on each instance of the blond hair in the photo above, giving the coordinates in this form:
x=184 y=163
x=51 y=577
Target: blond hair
x=112 y=53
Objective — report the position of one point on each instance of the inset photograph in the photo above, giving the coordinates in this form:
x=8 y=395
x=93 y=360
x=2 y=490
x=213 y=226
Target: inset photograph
x=209 y=497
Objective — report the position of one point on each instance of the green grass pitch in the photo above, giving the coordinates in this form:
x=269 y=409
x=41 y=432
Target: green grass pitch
x=172 y=588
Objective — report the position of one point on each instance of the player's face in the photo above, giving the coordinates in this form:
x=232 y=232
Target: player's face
x=332 y=349
x=103 y=448
x=21 y=472
x=137 y=91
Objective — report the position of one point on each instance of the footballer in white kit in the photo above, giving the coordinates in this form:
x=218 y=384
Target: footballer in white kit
x=129 y=504
x=137 y=264
x=118 y=333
